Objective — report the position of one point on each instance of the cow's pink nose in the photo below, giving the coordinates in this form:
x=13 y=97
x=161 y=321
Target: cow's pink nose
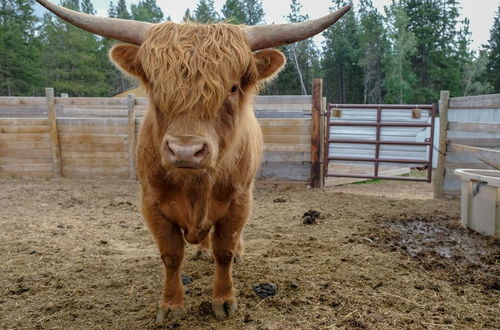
x=189 y=155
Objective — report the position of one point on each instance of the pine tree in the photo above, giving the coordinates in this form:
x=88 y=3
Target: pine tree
x=399 y=78
x=372 y=41
x=342 y=75
x=188 y=17
x=205 y=12
x=436 y=61
x=302 y=62
x=474 y=82
x=19 y=49
x=72 y=57
x=147 y=11
x=234 y=12
x=492 y=74
x=254 y=12
x=121 y=10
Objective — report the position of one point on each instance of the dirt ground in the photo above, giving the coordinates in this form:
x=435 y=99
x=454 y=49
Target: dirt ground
x=75 y=254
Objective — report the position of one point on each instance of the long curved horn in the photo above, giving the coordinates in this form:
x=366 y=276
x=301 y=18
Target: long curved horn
x=114 y=28
x=274 y=35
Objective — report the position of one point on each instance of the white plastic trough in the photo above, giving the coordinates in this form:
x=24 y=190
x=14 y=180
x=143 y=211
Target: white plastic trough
x=481 y=200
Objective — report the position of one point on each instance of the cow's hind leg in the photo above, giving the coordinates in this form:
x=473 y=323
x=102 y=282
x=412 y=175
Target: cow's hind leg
x=225 y=240
x=171 y=245
x=203 y=250
x=238 y=253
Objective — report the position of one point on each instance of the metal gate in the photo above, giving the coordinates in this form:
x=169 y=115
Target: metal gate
x=409 y=117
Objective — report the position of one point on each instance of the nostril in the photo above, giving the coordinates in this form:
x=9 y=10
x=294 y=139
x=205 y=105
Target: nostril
x=169 y=150
x=202 y=152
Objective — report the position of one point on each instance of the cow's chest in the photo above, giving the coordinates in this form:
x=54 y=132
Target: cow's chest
x=194 y=211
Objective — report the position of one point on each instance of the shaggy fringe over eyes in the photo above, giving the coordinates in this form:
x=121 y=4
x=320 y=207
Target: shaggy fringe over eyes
x=193 y=66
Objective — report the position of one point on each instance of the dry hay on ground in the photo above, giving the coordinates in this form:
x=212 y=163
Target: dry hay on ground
x=76 y=254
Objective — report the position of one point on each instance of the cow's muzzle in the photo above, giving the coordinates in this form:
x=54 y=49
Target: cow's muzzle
x=186 y=152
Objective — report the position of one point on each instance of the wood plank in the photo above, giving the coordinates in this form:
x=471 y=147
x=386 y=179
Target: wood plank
x=26 y=174
x=287 y=139
x=54 y=136
x=476 y=142
x=91 y=112
x=477 y=102
x=24 y=121
x=286 y=157
x=26 y=153
x=24 y=129
x=94 y=154
x=493 y=128
x=289 y=99
x=93 y=121
x=90 y=101
x=292 y=122
x=25 y=167
x=443 y=130
x=479 y=166
x=43 y=137
x=95 y=162
x=22 y=160
x=475 y=152
x=131 y=136
x=287 y=172
x=16 y=100
x=25 y=145
x=282 y=107
x=286 y=130
x=90 y=129
x=93 y=138
x=316 y=178
x=299 y=147
x=95 y=147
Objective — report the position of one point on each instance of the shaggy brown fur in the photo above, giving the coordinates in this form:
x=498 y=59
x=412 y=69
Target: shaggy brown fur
x=200 y=81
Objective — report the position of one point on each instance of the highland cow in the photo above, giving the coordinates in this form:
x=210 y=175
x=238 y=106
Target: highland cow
x=200 y=144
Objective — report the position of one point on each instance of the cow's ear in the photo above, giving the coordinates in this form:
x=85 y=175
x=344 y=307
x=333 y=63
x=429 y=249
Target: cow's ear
x=269 y=63
x=125 y=57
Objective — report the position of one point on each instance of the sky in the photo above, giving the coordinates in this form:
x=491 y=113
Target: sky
x=479 y=12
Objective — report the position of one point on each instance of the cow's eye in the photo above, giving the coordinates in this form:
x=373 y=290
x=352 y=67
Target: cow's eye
x=234 y=89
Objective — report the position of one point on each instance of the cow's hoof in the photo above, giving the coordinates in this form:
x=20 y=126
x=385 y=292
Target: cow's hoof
x=176 y=312
x=204 y=255
x=225 y=309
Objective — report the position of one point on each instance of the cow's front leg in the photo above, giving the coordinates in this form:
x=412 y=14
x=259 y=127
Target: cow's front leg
x=225 y=241
x=170 y=242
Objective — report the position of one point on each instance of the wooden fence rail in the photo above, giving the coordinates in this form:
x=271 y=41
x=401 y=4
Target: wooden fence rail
x=96 y=137
x=469 y=138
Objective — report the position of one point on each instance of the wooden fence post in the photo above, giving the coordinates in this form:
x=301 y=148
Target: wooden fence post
x=443 y=130
x=131 y=135
x=54 y=137
x=317 y=91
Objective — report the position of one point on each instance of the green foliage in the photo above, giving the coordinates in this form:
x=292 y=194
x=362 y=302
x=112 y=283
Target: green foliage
x=341 y=72
x=492 y=73
x=234 y=12
x=249 y=12
x=407 y=55
x=399 y=79
x=373 y=43
x=205 y=12
x=19 y=49
x=72 y=61
x=302 y=62
x=121 y=10
x=147 y=11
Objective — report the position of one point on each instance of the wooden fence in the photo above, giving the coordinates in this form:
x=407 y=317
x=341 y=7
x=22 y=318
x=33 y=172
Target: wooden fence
x=95 y=137
x=469 y=138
